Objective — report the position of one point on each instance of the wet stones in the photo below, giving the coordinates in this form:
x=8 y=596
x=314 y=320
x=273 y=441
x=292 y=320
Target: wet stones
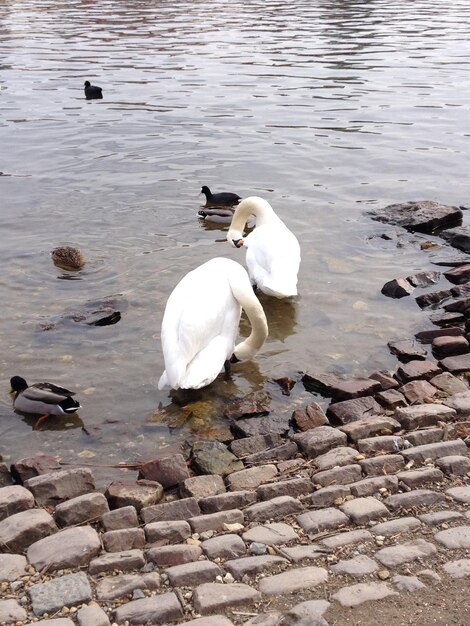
x=458 y=275
x=458 y=237
x=449 y=346
x=355 y=388
x=138 y=494
x=51 y=489
x=38 y=464
x=252 y=445
x=397 y=288
x=429 y=299
x=456 y=364
x=269 y=424
x=348 y=411
x=406 y=350
x=168 y=471
x=213 y=457
x=319 y=440
x=310 y=417
x=424 y=279
x=427 y=336
x=425 y=216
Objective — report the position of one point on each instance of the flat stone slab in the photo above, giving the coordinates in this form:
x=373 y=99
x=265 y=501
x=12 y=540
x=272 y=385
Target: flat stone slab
x=393 y=556
x=370 y=426
x=460 y=494
x=382 y=464
x=324 y=519
x=12 y=566
x=20 y=530
x=153 y=610
x=413 y=499
x=252 y=565
x=166 y=556
x=67 y=590
x=319 y=440
x=439 y=517
x=357 y=566
x=188 y=574
x=413 y=417
x=81 y=509
x=309 y=552
x=82 y=545
x=337 y=457
x=251 y=478
x=61 y=621
x=271 y=534
x=373 y=484
x=215 y=521
x=125 y=561
x=124 y=517
x=123 y=539
x=352 y=410
x=170 y=511
x=224 y=547
x=457 y=465
x=211 y=597
x=420 y=477
x=14 y=499
x=338 y=475
x=364 y=510
x=55 y=487
x=92 y=615
x=112 y=587
x=382 y=443
x=457 y=569
x=293 y=580
x=408 y=583
x=456 y=364
x=348 y=538
x=273 y=509
x=227 y=501
x=457 y=537
x=11 y=612
x=171 y=532
x=396 y=526
x=328 y=496
x=432 y=451
x=294 y=487
x=355 y=595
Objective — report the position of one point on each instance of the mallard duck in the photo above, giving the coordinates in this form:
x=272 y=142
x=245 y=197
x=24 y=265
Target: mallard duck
x=68 y=258
x=92 y=92
x=200 y=324
x=223 y=199
x=272 y=250
x=218 y=216
x=42 y=398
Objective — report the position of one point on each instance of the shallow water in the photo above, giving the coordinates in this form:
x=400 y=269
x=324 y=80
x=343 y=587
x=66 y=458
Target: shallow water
x=326 y=109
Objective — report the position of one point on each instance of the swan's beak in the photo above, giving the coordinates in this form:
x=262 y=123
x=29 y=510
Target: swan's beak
x=233 y=359
x=238 y=243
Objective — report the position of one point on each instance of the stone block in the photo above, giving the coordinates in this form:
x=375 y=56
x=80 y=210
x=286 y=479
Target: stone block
x=68 y=590
x=287 y=451
x=294 y=487
x=251 y=478
x=11 y=612
x=460 y=402
x=124 y=517
x=422 y=437
x=169 y=511
x=202 y=486
x=311 y=416
x=417 y=369
x=228 y=501
x=348 y=411
x=215 y=521
x=420 y=477
x=457 y=569
x=360 y=565
x=354 y=595
x=273 y=509
x=370 y=426
x=454 y=538
x=386 y=379
x=338 y=476
x=303 y=552
x=412 y=499
x=212 y=597
x=413 y=417
x=391 y=399
x=449 y=346
x=167 y=532
x=336 y=457
x=123 y=539
x=12 y=567
x=457 y=465
x=23 y=469
x=253 y=565
x=92 y=615
x=14 y=499
x=396 y=526
x=189 y=574
x=324 y=519
x=348 y=538
x=168 y=471
x=394 y=556
x=364 y=510
x=113 y=587
x=420 y=454
x=456 y=364
x=153 y=610
x=271 y=534
x=408 y=583
x=448 y=383
x=82 y=545
x=213 y=457
x=252 y=445
x=19 y=531
x=224 y=547
x=51 y=489
x=373 y=485
x=81 y=509
x=327 y=496
x=167 y=556
x=293 y=580
x=418 y=391
x=436 y=518
x=124 y=561
x=138 y=494
x=460 y=494
x=384 y=464
x=319 y=440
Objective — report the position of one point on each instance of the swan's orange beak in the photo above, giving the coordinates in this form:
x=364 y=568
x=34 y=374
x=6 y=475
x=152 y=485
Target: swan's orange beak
x=238 y=243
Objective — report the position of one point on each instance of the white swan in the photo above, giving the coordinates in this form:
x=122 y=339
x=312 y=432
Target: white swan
x=201 y=320
x=272 y=250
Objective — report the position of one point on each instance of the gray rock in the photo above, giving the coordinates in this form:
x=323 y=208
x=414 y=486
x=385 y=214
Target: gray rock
x=138 y=494
x=457 y=465
x=355 y=388
x=271 y=534
x=419 y=454
x=346 y=539
x=319 y=440
x=338 y=476
x=202 y=486
x=210 y=620
x=112 y=587
x=384 y=464
x=167 y=532
x=278 y=423
x=224 y=547
x=252 y=445
x=68 y=590
x=14 y=499
x=460 y=402
x=452 y=538
x=123 y=539
x=406 y=350
x=420 y=477
x=413 y=499
x=253 y=565
x=424 y=216
x=34 y=466
x=92 y=615
x=82 y=545
x=169 y=511
x=227 y=501
x=357 y=566
x=364 y=510
x=348 y=411
x=370 y=426
x=294 y=487
x=189 y=574
x=19 y=531
x=82 y=509
x=281 y=453
x=125 y=561
x=458 y=237
x=168 y=471
x=394 y=556
x=408 y=583
x=167 y=556
x=458 y=275
x=300 y=553
x=448 y=383
x=212 y=597
x=417 y=369
x=327 y=496
x=12 y=566
x=340 y=456
x=373 y=485
x=213 y=457
x=439 y=517
x=391 y=399
x=422 y=437
x=293 y=580
x=273 y=509
x=251 y=478
x=457 y=569
x=11 y=612
x=422 y=415
x=324 y=519
x=6 y=478
x=354 y=595
x=215 y=521
x=396 y=526
x=124 y=517
x=154 y=610
x=51 y=489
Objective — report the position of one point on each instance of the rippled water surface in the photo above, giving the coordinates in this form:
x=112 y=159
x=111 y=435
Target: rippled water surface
x=324 y=108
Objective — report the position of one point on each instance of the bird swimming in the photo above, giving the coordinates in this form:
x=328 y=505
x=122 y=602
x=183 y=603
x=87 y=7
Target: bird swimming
x=223 y=199
x=42 y=398
x=272 y=250
x=68 y=258
x=92 y=92
x=201 y=321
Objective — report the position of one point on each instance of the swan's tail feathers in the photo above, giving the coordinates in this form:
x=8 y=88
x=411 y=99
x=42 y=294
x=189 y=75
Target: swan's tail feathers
x=206 y=365
x=163 y=382
x=280 y=290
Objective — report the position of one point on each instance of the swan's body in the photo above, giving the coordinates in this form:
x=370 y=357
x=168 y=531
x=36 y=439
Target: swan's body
x=201 y=320
x=272 y=250
x=42 y=398
x=92 y=92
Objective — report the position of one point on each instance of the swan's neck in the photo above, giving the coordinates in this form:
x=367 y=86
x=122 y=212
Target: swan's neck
x=250 y=206
x=259 y=325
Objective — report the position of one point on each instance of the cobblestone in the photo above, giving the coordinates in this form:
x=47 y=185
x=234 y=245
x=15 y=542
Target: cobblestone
x=293 y=580
x=355 y=595
x=211 y=597
x=324 y=519
x=405 y=553
x=251 y=565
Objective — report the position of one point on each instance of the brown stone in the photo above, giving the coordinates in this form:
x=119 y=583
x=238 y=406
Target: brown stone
x=424 y=279
x=328 y=496
x=380 y=444
x=406 y=350
x=449 y=383
x=421 y=437
x=224 y=547
x=458 y=275
x=251 y=478
x=167 y=531
x=112 y=587
x=253 y=565
x=276 y=508
x=176 y=510
x=427 y=336
x=281 y=453
x=212 y=597
x=257 y=403
x=373 y=485
x=445 y=318
x=251 y=445
x=189 y=574
x=324 y=519
x=20 y=530
x=384 y=464
x=356 y=388
x=386 y=379
x=168 y=471
x=309 y=417
x=352 y=410
x=34 y=466
x=449 y=346
x=294 y=487
x=417 y=369
x=72 y=547
x=422 y=415
x=124 y=561
x=370 y=426
x=319 y=440
x=321 y=383
x=215 y=521
x=165 y=556
x=457 y=465
x=124 y=517
x=418 y=391
x=397 y=288
x=138 y=494
x=227 y=501
x=159 y=609
x=82 y=509
x=338 y=476
x=55 y=487
x=14 y=499
x=202 y=486
x=342 y=455
x=419 y=454
x=420 y=477
x=391 y=399
x=277 y=423
x=456 y=364
x=123 y=539
x=428 y=299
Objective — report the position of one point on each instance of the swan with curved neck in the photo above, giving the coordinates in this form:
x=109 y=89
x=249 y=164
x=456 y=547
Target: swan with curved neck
x=272 y=250
x=201 y=321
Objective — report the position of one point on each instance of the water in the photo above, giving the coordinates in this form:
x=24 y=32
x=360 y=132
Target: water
x=324 y=108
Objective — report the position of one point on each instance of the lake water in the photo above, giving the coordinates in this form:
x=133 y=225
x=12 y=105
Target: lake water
x=326 y=109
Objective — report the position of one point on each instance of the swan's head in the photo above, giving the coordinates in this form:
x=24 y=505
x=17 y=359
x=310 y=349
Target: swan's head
x=253 y=205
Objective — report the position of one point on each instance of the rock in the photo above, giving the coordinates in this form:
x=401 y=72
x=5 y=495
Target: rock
x=324 y=519
x=328 y=496
x=449 y=346
x=20 y=530
x=319 y=440
x=373 y=485
x=458 y=275
x=338 y=475
x=384 y=443
x=55 y=487
x=461 y=305
x=417 y=369
x=336 y=457
x=293 y=580
x=124 y=517
x=413 y=417
x=212 y=620
x=252 y=445
x=167 y=531
x=408 y=583
x=138 y=494
x=427 y=336
x=391 y=399
x=125 y=561
x=298 y=554
x=420 y=477
x=202 y=486
x=169 y=511
x=460 y=494
x=453 y=538
x=12 y=566
x=6 y=478
x=370 y=426
x=68 y=590
x=386 y=379
x=215 y=521
x=406 y=350
x=14 y=499
x=424 y=216
x=424 y=279
x=445 y=318
x=92 y=615
x=357 y=566
x=165 y=556
x=294 y=487
x=227 y=501
x=422 y=437
x=168 y=471
x=419 y=454
x=224 y=547
x=457 y=569
x=273 y=509
x=429 y=299
x=38 y=464
x=11 y=612
x=319 y=383
x=257 y=403
x=348 y=538
x=458 y=237
x=394 y=556
x=364 y=510
x=383 y=464
x=271 y=534
x=123 y=539
x=457 y=465
x=437 y=518
x=81 y=509
x=83 y=544
x=414 y=499
x=344 y=390
x=251 y=478
x=396 y=526
x=189 y=574
x=397 y=288
x=456 y=364
x=418 y=391
x=112 y=587
x=153 y=610
x=254 y=426
x=309 y=417
x=430 y=576
x=281 y=453
x=310 y=610
x=212 y=597
x=352 y=410
x=213 y=457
